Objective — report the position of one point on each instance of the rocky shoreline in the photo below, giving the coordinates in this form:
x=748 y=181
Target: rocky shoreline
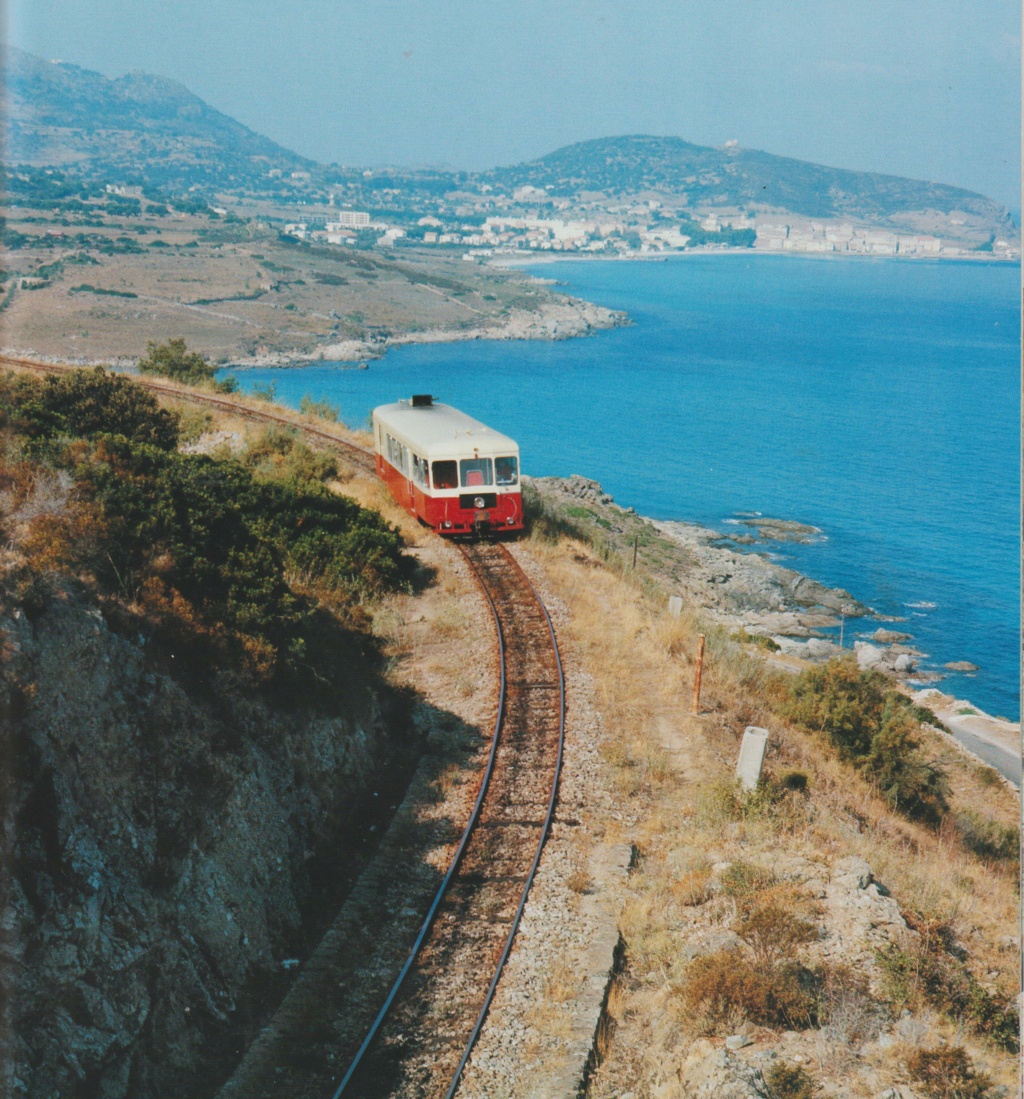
x=790 y=615
x=560 y=319
x=554 y=320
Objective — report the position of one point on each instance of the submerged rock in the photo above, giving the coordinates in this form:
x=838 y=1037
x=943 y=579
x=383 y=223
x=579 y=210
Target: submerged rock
x=783 y=530
x=960 y=666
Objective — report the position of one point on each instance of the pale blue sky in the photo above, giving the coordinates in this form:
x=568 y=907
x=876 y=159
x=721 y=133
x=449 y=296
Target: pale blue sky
x=925 y=88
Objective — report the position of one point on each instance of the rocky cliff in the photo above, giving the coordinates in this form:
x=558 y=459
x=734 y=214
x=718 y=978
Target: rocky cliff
x=161 y=842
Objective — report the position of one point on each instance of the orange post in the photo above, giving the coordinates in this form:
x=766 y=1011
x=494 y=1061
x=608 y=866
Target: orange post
x=697 y=673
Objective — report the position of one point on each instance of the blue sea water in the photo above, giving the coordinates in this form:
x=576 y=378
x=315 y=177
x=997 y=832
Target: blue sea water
x=875 y=399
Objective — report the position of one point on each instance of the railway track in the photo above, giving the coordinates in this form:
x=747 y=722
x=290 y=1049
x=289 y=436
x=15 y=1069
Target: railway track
x=421 y=1038
x=423 y=1035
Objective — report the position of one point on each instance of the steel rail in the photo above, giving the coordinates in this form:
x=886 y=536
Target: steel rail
x=456 y=858
x=545 y=831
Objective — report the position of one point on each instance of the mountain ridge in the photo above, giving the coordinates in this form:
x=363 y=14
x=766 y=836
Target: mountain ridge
x=667 y=163
x=62 y=114
x=154 y=129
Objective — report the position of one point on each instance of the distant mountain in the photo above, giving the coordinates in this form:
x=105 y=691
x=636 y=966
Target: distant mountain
x=58 y=114
x=149 y=129
x=744 y=179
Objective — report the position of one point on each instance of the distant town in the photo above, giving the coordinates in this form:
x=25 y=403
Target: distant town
x=638 y=228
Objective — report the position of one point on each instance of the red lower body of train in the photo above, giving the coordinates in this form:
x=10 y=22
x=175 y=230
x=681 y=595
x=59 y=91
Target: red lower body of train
x=474 y=510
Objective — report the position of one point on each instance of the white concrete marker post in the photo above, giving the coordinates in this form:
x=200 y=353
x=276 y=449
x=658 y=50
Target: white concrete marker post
x=748 y=768
x=675 y=605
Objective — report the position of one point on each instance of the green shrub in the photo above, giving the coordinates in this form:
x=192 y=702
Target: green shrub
x=84 y=404
x=987 y=837
x=173 y=360
x=909 y=782
x=744 y=637
x=322 y=410
x=280 y=454
x=789 y=1081
x=841 y=701
x=928 y=972
x=874 y=727
x=743 y=878
x=946 y=1072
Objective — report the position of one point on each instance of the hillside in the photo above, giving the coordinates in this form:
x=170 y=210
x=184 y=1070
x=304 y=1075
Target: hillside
x=57 y=113
x=732 y=176
x=846 y=928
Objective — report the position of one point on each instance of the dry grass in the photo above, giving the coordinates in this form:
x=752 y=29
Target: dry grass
x=673 y=776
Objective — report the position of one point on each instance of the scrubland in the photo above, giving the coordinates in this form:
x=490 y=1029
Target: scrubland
x=845 y=937
x=849 y=926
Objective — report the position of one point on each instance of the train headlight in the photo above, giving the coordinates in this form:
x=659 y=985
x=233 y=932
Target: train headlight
x=478 y=501
x=447 y=524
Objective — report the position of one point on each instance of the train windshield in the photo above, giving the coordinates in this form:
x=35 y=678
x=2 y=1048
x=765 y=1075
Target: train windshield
x=476 y=472
x=506 y=471
x=446 y=475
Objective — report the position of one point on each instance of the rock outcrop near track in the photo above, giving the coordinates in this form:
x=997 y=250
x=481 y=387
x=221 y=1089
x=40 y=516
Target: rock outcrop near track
x=163 y=846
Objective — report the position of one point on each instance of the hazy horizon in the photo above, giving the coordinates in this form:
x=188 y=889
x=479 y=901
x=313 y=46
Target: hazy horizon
x=922 y=88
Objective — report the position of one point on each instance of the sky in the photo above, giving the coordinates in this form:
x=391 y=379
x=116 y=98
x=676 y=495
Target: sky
x=923 y=88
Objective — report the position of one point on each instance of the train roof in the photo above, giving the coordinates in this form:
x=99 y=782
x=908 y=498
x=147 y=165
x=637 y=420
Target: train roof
x=436 y=430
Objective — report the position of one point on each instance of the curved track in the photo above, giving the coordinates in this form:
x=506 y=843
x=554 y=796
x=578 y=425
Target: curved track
x=423 y=1035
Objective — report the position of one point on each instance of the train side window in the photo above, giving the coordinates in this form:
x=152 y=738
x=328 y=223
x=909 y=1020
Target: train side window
x=476 y=472
x=446 y=475
x=506 y=471
x=419 y=470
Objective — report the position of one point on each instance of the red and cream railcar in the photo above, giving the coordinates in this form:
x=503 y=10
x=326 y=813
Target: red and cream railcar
x=452 y=472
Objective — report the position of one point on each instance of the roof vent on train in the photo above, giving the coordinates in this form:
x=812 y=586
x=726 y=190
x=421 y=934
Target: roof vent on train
x=422 y=400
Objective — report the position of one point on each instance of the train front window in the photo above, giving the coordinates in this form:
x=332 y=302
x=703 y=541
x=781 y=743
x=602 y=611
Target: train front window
x=476 y=472
x=446 y=475
x=506 y=471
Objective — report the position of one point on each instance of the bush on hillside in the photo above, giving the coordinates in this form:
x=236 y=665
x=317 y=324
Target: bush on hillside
x=173 y=360
x=946 y=1072
x=986 y=837
x=787 y=1081
x=279 y=454
x=874 y=727
x=83 y=404
x=928 y=971
x=233 y=569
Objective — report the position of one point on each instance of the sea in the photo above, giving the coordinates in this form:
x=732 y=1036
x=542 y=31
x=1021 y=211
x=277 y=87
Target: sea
x=875 y=399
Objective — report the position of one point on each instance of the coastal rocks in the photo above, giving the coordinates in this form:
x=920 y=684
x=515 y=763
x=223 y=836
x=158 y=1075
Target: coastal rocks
x=868 y=656
x=557 y=319
x=960 y=666
x=896 y=660
x=783 y=530
x=814 y=649
x=890 y=637
x=586 y=490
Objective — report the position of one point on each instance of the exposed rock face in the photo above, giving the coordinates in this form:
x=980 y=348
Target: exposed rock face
x=160 y=848
x=710 y=1073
